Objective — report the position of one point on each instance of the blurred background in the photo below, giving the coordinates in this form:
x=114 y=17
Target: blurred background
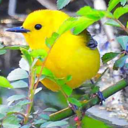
x=14 y=12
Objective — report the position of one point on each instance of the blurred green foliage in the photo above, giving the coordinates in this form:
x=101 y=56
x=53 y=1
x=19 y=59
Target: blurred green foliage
x=89 y=122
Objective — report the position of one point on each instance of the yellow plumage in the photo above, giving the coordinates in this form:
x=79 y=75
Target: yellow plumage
x=69 y=55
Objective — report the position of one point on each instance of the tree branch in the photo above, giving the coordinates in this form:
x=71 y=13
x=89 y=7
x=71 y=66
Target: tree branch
x=67 y=112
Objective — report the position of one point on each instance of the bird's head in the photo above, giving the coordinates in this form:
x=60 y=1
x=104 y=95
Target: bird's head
x=40 y=25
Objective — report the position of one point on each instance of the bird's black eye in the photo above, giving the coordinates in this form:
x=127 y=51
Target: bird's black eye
x=38 y=26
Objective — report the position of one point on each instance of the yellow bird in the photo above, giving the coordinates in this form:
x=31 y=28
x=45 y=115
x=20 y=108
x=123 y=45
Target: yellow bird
x=74 y=55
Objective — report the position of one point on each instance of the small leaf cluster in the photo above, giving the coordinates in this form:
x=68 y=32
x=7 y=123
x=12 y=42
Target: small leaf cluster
x=121 y=62
x=122 y=40
x=14 y=114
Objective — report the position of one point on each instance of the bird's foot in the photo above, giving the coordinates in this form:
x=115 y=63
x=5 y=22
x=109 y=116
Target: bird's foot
x=101 y=97
x=73 y=107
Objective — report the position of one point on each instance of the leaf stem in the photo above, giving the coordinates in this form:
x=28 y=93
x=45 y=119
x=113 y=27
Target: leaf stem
x=16 y=113
x=43 y=64
x=30 y=94
x=121 y=25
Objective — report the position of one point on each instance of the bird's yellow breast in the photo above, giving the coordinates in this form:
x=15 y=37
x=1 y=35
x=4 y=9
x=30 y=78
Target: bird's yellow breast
x=69 y=55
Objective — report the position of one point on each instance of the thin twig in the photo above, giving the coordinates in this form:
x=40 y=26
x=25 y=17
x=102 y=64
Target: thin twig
x=30 y=95
x=16 y=113
x=122 y=26
x=33 y=86
x=43 y=64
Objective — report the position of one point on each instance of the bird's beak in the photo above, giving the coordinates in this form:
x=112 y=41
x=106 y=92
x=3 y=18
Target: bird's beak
x=18 y=30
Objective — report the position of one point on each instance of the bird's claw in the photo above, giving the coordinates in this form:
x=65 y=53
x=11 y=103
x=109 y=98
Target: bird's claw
x=101 y=97
x=73 y=107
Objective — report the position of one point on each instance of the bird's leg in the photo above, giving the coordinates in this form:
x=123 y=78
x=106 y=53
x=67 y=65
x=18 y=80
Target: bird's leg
x=101 y=97
x=73 y=107
x=99 y=94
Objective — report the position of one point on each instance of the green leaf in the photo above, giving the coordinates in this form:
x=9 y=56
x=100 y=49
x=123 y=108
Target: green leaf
x=78 y=23
x=41 y=78
x=74 y=101
x=86 y=97
x=84 y=10
x=89 y=16
x=44 y=125
x=89 y=122
x=81 y=24
x=72 y=127
x=68 y=78
x=44 y=116
x=40 y=121
x=1 y=116
x=2 y=52
x=120 y=11
x=34 y=62
x=109 y=56
x=26 y=126
x=23 y=102
x=38 y=90
x=112 y=4
x=112 y=22
x=11 y=122
x=15 y=98
x=5 y=83
x=18 y=107
x=3 y=109
x=13 y=109
x=50 y=41
x=123 y=40
x=109 y=15
x=38 y=53
x=45 y=72
x=120 y=62
x=26 y=55
x=15 y=47
x=62 y=83
x=68 y=90
x=1 y=100
x=50 y=110
x=19 y=84
x=17 y=74
x=127 y=25
x=95 y=89
x=57 y=124
x=23 y=64
x=67 y=25
x=62 y=3
x=123 y=2
x=91 y=13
